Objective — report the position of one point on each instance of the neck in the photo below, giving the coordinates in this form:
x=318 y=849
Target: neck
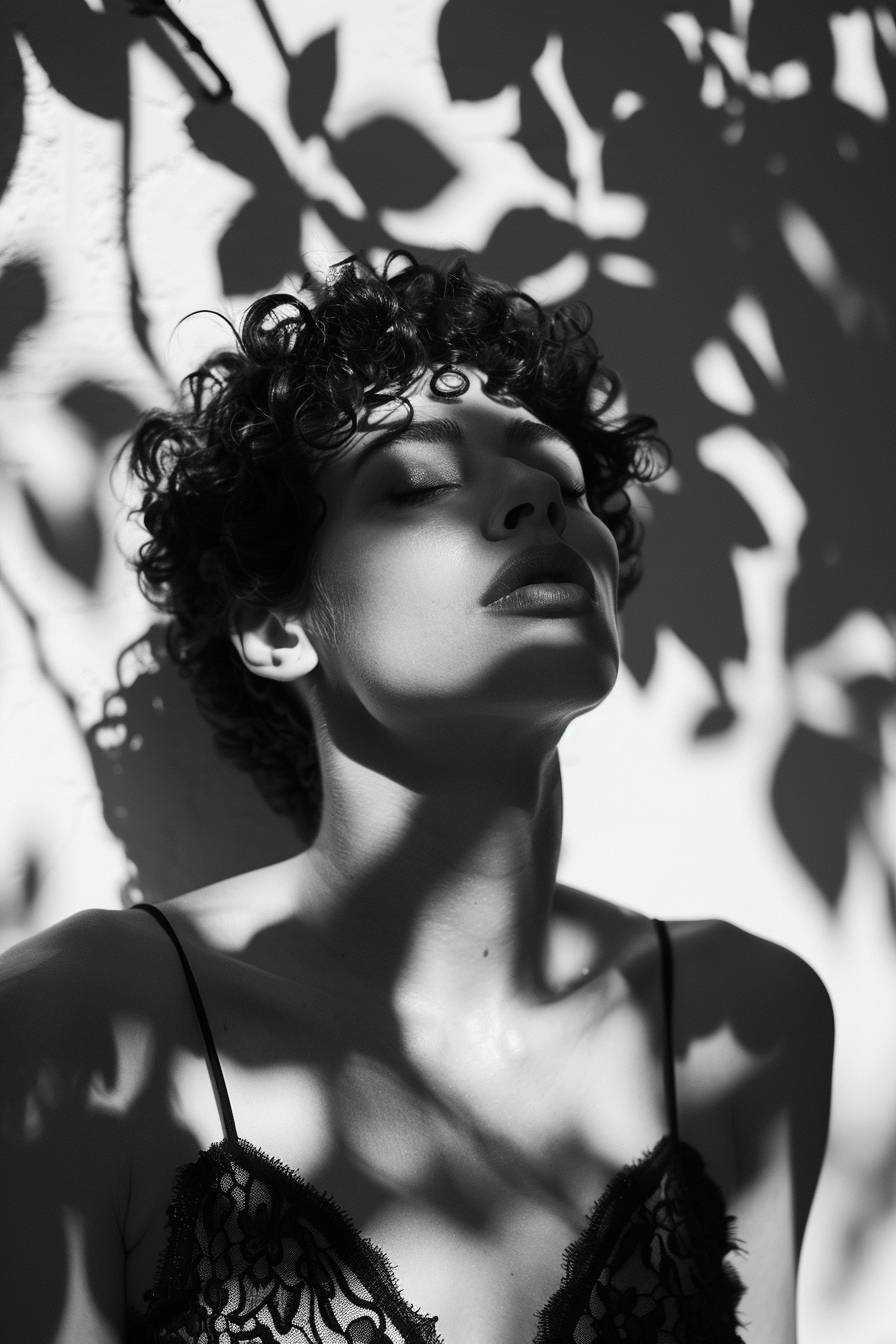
x=435 y=880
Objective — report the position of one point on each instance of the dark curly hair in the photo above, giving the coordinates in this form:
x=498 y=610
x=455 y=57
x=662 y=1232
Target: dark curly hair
x=228 y=498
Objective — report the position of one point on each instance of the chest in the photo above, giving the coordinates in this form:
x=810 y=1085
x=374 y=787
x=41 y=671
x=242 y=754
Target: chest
x=472 y=1169
x=472 y=1180
x=261 y=1253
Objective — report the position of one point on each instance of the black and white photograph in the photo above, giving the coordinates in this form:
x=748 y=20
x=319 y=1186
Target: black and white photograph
x=447 y=672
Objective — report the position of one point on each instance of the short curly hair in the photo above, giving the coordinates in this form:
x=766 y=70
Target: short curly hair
x=227 y=478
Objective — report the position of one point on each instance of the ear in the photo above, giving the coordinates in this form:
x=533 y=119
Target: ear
x=271 y=644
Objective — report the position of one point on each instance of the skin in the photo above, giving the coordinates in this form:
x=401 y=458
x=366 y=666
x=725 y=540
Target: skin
x=413 y=1012
x=418 y=693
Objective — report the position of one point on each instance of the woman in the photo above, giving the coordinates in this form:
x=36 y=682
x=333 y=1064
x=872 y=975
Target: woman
x=406 y=1066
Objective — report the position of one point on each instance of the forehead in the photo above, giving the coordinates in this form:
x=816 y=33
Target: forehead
x=460 y=393
x=457 y=411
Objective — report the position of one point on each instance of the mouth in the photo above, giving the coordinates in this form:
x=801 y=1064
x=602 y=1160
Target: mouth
x=556 y=566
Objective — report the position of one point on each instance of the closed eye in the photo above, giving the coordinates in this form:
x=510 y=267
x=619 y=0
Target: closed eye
x=422 y=493
x=418 y=496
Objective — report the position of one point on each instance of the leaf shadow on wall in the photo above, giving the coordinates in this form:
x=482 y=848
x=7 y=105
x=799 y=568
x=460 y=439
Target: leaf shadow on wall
x=224 y=826
x=733 y=191
x=747 y=162
x=779 y=202
x=728 y=198
x=764 y=203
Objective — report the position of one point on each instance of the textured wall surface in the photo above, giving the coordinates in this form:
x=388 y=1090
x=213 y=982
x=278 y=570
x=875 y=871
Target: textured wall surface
x=716 y=181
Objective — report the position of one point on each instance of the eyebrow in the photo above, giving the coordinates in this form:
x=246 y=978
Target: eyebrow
x=520 y=431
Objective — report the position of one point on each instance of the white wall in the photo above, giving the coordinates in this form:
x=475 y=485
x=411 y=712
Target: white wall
x=674 y=823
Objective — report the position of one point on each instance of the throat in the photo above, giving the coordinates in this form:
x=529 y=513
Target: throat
x=451 y=912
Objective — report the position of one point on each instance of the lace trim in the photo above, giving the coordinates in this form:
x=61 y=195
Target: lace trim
x=650 y=1267
x=296 y=1270
x=258 y=1255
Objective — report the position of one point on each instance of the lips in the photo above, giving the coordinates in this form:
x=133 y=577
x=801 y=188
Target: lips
x=556 y=563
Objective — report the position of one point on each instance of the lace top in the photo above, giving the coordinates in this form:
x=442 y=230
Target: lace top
x=256 y=1254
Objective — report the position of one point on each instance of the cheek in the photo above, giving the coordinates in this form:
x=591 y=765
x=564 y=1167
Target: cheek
x=393 y=618
x=406 y=575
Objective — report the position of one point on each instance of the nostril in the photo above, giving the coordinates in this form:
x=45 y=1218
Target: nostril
x=517 y=512
x=556 y=514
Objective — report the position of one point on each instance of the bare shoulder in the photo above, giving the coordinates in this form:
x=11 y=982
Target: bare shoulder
x=769 y=1009
x=770 y=1019
x=766 y=994
x=758 y=995
x=66 y=1097
x=754 y=1036
x=79 y=1004
x=63 y=995
x=95 y=952
x=40 y=973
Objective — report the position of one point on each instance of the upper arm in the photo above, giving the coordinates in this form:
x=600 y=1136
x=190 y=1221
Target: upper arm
x=61 y=1248
x=780 y=1109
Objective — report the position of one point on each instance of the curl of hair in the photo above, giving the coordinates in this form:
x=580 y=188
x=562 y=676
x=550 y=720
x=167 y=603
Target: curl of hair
x=227 y=477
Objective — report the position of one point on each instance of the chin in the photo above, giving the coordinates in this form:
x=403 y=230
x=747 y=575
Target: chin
x=568 y=684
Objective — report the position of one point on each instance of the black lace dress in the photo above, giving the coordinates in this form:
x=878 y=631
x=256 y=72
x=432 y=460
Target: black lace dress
x=258 y=1255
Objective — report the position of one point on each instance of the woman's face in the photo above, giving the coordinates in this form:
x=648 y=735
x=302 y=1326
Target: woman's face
x=416 y=531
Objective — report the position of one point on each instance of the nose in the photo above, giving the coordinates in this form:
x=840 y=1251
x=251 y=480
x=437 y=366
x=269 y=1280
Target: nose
x=530 y=496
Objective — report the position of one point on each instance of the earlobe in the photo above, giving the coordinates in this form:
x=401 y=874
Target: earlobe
x=269 y=644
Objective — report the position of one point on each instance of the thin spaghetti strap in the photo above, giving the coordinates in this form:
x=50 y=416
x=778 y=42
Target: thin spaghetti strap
x=225 y=1110
x=669 y=1049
